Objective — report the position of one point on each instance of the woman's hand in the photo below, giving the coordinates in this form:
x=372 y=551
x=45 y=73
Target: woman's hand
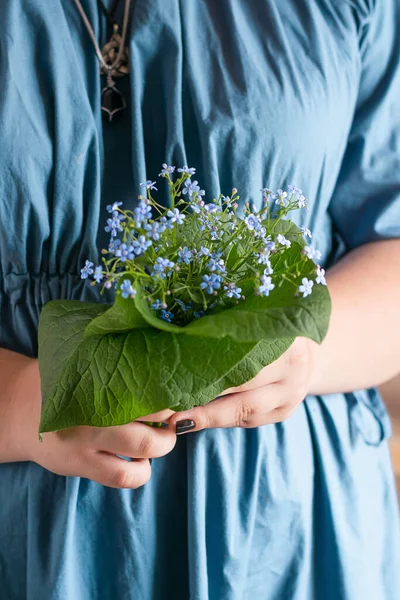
x=270 y=397
x=80 y=451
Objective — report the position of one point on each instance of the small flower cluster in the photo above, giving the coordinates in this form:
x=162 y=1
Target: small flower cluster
x=194 y=257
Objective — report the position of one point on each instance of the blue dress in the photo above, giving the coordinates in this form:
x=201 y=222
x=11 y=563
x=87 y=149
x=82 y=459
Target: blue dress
x=252 y=93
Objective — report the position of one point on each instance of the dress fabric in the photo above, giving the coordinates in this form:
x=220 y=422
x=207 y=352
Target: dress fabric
x=253 y=93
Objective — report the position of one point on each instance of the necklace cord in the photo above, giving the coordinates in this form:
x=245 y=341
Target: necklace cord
x=115 y=64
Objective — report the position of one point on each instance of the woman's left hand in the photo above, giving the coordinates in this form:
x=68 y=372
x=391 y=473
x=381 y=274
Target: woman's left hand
x=270 y=397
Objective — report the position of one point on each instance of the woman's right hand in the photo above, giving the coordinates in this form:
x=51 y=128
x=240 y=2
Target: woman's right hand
x=79 y=451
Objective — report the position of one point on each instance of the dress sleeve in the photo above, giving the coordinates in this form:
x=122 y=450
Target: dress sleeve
x=365 y=205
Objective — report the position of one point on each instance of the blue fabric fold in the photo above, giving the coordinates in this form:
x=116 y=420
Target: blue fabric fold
x=252 y=93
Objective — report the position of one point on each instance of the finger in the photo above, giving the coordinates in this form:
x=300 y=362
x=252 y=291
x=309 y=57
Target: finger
x=135 y=440
x=158 y=417
x=251 y=408
x=113 y=472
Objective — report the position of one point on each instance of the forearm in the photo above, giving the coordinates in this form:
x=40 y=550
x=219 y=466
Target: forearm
x=20 y=401
x=362 y=347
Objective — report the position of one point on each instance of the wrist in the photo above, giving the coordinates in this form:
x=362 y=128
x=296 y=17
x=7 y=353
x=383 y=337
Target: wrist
x=23 y=399
x=314 y=372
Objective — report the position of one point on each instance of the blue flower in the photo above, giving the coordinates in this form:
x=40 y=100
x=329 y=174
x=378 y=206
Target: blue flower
x=166 y=169
x=203 y=252
x=98 y=274
x=211 y=208
x=263 y=256
x=142 y=212
x=124 y=252
x=113 y=225
x=149 y=185
x=184 y=307
x=175 y=216
x=190 y=188
x=198 y=314
x=268 y=269
x=216 y=264
x=185 y=255
x=166 y=316
x=113 y=245
x=227 y=200
x=282 y=240
x=157 y=305
x=161 y=265
x=211 y=283
x=266 y=191
x=312 y=253
x=189 y=170
x=306 y=287
x=301 y=201
x=261 y=232
x=127 y=289
x=155 y=229
x=320 y=278
x=282 y=198
x=232 y=291
x=295 y=190
x=270 y=246
x=252 y=222
x=306 y=232
x=113 y=207
x=196 y=205
x=87 y=270
x=266 y=285
x=141 y=244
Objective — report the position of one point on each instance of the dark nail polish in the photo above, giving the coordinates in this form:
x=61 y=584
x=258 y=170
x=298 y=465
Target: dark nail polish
x=185 y=425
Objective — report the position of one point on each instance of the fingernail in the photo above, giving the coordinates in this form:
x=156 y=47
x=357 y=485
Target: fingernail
x=184 y=426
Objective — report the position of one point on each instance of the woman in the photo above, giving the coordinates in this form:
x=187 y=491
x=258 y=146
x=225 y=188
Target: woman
x=267 y=502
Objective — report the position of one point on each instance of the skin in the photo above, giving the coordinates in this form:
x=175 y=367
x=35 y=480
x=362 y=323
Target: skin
x=361 y=349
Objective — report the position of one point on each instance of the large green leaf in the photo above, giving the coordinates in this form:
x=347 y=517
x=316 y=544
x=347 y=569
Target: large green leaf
x=113 y=379
x=281 y=317
x=289 y=230
x=61 y=329
x=121 y=317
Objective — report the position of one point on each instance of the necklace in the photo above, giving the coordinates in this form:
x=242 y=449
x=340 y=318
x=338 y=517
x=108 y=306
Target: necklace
x=113 y=58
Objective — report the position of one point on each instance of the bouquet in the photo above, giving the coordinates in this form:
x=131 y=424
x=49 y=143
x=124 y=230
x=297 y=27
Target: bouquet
x=206 y=295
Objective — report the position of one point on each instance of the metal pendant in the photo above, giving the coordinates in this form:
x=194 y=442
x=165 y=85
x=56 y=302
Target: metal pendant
x=112 y=101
